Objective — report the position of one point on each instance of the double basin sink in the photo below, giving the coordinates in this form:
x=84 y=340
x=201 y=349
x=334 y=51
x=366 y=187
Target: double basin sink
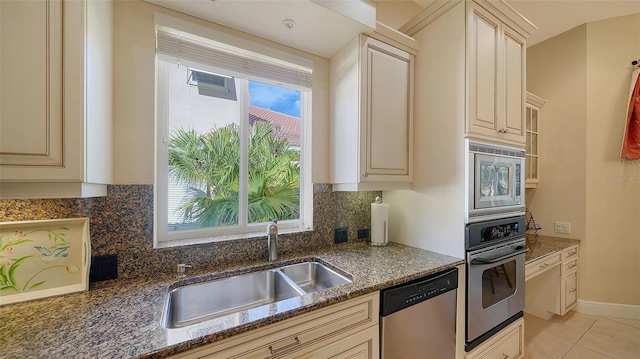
x=194 y=303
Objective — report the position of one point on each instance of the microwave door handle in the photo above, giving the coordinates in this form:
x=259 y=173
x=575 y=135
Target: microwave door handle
x=498 y=259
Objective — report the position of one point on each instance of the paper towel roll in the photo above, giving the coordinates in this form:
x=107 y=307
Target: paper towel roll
x=379 y=223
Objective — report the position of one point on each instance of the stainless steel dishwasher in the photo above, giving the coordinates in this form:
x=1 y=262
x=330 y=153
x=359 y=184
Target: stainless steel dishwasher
x=418 y=318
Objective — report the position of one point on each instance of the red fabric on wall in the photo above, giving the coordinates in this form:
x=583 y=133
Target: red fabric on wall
x=631 y=141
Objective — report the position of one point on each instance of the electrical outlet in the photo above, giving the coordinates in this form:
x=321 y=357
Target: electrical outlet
x=340 y=234
x=103 y=268
x=363 y=233
x=562 y=227
x=558 y=227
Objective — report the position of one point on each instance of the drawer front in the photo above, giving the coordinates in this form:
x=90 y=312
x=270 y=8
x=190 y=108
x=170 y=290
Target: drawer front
x=569 y=253
x=363 y=345
x=541 y=265
x=305 y=333
x=570 y=266
x=508 y=343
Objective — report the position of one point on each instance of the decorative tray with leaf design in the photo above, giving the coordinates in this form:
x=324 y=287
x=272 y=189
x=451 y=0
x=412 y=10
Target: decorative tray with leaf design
x=43 y=258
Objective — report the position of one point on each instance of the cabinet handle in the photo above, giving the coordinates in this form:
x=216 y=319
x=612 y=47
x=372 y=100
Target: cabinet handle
x=503 y=130
x=573 y=290
x=572 y=265
x=290 y=345
x=366 y=174
x=572 y=253
x=545 y=265
x=505 y=356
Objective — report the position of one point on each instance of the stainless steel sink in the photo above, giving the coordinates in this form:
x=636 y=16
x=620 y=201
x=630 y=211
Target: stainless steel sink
x=314 y=276
x=193 y=303
x=197 y=302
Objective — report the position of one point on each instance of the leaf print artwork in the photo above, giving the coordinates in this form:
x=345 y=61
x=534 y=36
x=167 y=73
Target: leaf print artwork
x=10 y=265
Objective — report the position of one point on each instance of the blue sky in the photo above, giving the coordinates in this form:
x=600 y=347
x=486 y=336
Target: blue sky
x=275 y=98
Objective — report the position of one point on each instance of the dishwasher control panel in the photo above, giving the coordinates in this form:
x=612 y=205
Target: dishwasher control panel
x=414 y=292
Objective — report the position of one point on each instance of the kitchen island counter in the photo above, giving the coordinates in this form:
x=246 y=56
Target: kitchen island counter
x=123 y=319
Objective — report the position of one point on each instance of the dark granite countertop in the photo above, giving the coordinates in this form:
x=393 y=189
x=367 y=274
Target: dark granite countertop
x=541 y=246
x=122 y=319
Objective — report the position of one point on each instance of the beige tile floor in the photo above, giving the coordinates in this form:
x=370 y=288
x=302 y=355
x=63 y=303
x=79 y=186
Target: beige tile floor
x=581 y=336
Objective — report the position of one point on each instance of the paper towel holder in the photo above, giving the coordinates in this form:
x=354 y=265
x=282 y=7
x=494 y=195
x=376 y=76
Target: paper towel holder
x=379 y=231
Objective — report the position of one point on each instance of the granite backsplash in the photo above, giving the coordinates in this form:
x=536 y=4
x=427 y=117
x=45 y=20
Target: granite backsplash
x=121 y=224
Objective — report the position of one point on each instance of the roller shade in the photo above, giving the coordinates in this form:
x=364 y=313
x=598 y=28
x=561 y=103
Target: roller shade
x=176 y=46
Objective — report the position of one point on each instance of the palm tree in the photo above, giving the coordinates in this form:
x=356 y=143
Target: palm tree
x=209 y=166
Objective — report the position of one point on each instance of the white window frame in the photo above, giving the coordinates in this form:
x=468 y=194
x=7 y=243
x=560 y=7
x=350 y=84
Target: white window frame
x=165 y=238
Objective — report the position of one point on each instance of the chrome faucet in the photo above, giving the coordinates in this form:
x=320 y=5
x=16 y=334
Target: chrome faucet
x=272 y=240
x=182 y=269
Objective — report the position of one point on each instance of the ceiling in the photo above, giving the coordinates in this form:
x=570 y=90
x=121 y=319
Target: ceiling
x=553 y=17
x=301 y=24
x=264 y=17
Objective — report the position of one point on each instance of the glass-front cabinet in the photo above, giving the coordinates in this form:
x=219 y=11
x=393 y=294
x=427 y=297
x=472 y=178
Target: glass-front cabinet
x=534 y=103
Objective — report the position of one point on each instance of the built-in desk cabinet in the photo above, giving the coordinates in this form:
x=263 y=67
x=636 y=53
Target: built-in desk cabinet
x=345 y=330
x=55 y=98
x=569 y=284
x=552 y=283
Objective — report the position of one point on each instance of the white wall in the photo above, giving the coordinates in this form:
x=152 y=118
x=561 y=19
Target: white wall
x=134 y=93
x=431 y=214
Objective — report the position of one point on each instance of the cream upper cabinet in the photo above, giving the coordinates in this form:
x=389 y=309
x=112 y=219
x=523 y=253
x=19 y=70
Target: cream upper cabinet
x=55 y=98
x=496 y=77
x=371 y=116
x=532 y=117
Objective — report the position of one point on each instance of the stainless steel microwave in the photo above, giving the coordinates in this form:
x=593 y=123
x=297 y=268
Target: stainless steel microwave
x=496 y=182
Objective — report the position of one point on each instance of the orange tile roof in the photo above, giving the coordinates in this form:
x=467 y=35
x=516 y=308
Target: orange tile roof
x=287 y=127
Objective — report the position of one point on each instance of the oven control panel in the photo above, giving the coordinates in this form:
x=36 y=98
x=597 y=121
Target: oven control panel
x=494 y=231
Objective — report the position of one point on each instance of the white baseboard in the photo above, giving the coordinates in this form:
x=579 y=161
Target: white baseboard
x=603 y=309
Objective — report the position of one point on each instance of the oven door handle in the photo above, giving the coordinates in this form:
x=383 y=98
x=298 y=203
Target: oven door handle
x=498 y=259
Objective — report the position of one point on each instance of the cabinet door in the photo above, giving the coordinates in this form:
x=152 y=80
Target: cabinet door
x=570 y=292
x=496 y=78
x=386 y=106
x=532 y=153
x=513 y=48
x=483 y=67
x=31 y=91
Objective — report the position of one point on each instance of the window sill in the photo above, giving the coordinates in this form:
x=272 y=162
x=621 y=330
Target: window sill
x=228 y=237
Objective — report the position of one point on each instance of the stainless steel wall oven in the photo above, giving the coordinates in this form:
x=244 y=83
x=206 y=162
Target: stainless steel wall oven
x=495 y=276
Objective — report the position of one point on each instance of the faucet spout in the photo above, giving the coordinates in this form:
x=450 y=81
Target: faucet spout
x=272 y=240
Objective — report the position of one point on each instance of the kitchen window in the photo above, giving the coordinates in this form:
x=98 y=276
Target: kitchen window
x=229 y=159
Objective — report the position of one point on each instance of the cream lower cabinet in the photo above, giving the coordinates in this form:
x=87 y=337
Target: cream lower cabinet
x=569 y=283
x=345 y=330
x=552 y=283
x=507 y=343
x=371 y=116
x=55 y=98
